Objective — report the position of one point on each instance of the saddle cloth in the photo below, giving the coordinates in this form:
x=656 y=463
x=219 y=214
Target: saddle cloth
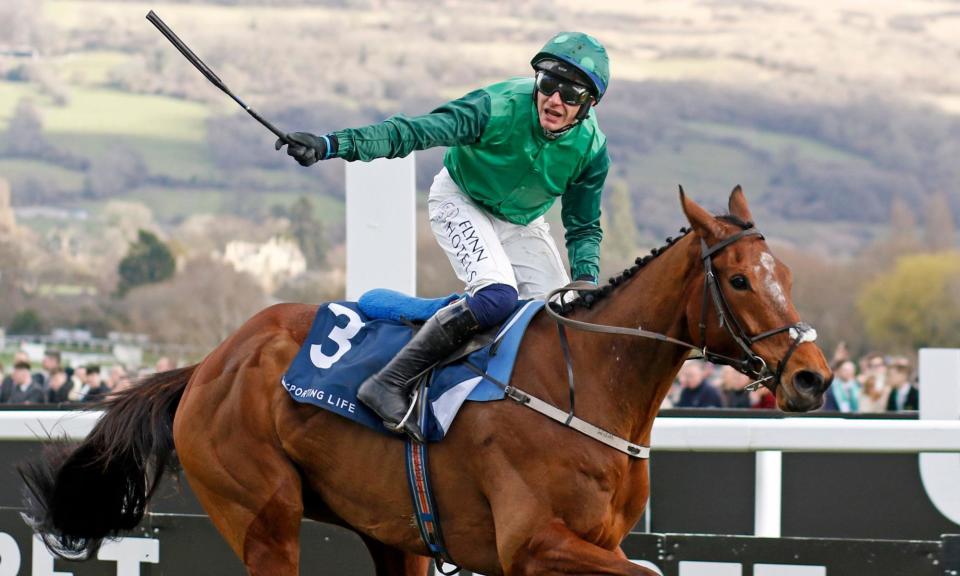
x=346 y=345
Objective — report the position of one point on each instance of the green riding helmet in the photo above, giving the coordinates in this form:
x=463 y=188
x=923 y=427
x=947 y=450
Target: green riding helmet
x=577 y=57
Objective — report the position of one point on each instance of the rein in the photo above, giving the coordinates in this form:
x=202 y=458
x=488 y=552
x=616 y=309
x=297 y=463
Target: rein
x=750 y=363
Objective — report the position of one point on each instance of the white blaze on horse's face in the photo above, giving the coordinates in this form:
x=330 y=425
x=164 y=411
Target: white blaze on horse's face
x=767 y=271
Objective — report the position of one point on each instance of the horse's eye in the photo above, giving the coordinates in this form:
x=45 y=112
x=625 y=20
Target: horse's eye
x=740 y=282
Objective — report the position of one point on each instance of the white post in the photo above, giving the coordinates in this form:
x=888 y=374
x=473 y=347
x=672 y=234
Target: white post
x=940 y=400
x=381 y=226
x=769 y=491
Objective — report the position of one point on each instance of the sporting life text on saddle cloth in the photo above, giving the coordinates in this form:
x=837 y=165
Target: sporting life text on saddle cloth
x=345 y=347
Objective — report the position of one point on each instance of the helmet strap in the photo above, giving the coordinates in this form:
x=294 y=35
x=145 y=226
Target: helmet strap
x=584 y=110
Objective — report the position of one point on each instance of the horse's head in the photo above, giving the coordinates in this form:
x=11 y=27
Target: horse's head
x=739 y=307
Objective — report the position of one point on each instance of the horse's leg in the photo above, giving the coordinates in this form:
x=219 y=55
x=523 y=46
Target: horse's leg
x=555 y=549
x=261 y=526
x=390 y=561
x=227 y=444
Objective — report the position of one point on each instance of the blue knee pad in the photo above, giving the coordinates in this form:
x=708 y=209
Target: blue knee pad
x=492 y=304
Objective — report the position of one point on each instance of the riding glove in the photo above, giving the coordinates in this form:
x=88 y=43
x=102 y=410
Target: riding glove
x=307 y=148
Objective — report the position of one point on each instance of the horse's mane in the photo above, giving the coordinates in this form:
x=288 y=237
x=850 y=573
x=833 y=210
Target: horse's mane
x=588 y=299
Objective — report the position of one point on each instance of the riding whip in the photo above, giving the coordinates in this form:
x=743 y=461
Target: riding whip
x=206 y=71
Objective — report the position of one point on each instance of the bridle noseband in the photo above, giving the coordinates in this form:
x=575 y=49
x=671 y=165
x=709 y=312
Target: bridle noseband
x=750 y=363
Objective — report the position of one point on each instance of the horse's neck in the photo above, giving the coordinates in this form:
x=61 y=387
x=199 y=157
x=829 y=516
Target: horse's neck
x=636 y=373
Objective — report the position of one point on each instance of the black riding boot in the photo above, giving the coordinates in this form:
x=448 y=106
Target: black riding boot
x=388 y=391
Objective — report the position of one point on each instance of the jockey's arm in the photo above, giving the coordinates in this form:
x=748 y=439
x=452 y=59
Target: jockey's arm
x=460 y=121
x=581 y=217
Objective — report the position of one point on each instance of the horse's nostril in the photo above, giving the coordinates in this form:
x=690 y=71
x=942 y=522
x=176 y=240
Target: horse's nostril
x=808 y=382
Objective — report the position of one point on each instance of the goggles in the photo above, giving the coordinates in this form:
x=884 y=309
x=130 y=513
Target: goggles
x=570 y=93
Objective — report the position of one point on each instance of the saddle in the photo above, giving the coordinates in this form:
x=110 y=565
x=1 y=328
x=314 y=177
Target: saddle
x=348 y=341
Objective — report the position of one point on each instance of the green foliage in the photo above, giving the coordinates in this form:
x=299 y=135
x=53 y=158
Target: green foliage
x=27 y=321
x=149 y=261
x=24 y=135
x=115 y=173
x=915 y=305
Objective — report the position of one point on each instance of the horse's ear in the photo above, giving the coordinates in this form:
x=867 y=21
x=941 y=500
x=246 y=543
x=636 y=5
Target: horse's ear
x=702 y=221
x=737 y=205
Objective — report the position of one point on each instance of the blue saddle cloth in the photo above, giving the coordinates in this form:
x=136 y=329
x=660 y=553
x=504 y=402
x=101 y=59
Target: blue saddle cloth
x=346 y=345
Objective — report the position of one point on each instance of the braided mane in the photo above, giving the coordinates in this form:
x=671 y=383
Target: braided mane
x=588 y=299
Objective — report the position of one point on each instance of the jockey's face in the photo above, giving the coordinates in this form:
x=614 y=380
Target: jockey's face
x=554 y=113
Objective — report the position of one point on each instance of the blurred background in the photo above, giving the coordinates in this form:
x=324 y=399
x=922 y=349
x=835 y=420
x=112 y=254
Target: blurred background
x=139 y=204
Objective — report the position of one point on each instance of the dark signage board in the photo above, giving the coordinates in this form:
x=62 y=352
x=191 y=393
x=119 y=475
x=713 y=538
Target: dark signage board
x=174 y=545
x=704 y=555
x=178 y=545
x=860 y=496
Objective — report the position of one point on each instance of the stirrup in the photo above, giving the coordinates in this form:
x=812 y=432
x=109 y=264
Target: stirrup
x=408 y=424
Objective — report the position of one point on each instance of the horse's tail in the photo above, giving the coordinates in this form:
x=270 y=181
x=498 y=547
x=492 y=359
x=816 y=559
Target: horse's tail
x=77 y=495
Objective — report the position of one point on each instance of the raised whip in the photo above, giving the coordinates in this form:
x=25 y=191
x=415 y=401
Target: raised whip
x=206 y=71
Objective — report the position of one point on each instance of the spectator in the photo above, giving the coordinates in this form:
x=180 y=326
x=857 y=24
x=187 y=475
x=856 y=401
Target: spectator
x=18 y=357
x=873 y=385
x=59 y=386
x=873 y=395
x=695 y=391
x=873 y=364
x=732 y=384
x=843 y=395
x=117 y=380
x=903 y=394
x=23 y=389
x=78 y=381
x=48 y=366
x=94 y=388
x=116 y=374
x=122 y=384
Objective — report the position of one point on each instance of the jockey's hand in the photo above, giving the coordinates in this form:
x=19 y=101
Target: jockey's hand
x=582 y=285
x=307 y=148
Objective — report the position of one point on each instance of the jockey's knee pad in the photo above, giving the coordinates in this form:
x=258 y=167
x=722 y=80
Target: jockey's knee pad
x=492 y=304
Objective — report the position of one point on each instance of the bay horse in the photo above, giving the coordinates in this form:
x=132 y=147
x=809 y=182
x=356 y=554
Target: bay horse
x=519 y=494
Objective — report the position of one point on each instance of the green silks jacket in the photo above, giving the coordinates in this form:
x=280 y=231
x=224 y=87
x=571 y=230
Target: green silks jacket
x=499 y=156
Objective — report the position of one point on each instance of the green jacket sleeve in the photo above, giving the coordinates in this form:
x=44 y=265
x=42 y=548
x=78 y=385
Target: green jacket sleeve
x=460 y=121
x=581 y=217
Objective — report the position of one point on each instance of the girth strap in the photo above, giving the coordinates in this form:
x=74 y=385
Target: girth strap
x=424 y=506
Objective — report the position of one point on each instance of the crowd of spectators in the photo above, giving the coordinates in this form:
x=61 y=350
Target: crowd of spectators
x=873 y=384
x=702 y=385
x=53 y=383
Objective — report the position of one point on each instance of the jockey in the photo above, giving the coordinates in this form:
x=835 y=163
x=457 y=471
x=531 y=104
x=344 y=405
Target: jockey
x=514 y=148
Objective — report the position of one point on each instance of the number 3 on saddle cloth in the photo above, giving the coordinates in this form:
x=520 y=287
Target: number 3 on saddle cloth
x=350 y=341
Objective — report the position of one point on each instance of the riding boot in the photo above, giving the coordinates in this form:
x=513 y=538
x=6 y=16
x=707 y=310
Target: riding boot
x=388 y=391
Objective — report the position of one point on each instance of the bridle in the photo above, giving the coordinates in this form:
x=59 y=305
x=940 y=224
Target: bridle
x=749 y=363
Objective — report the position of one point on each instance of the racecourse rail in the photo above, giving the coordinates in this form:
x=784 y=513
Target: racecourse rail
x=768 y=438
x=807 y=434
